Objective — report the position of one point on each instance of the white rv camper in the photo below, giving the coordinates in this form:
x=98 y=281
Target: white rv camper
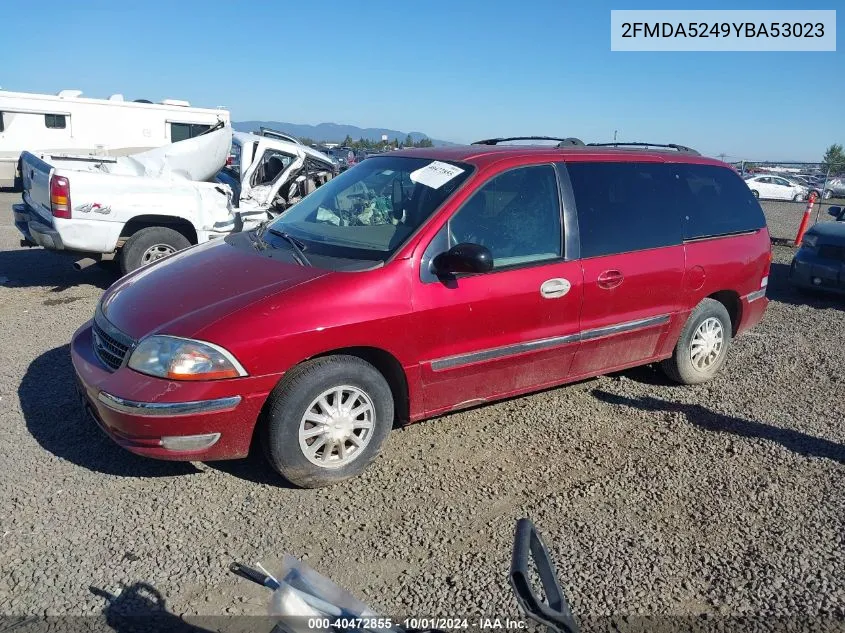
x=68 y=123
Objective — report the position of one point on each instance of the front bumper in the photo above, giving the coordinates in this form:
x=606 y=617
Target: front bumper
x=34 y=230
x=809 y=271
x=165 y=419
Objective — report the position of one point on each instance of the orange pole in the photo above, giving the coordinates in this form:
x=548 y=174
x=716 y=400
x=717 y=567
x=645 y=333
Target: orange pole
x=805 y=221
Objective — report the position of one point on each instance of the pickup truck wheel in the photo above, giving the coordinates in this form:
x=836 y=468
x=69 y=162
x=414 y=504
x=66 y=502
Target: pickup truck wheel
x=703 y=345
x=326 y=420
x=149 y=245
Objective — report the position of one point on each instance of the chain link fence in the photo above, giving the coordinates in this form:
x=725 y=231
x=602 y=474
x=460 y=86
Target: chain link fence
x=783 y=215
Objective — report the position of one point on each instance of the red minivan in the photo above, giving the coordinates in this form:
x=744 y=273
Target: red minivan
x=421 y=282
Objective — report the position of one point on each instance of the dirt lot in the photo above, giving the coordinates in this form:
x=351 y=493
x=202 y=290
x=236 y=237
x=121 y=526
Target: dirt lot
x=725 y=499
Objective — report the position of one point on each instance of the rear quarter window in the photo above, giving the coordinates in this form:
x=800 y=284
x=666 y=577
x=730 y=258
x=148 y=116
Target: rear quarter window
x=715 y=201
x=624 y=207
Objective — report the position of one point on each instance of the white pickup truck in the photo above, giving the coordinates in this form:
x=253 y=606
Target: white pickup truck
x=142 y=207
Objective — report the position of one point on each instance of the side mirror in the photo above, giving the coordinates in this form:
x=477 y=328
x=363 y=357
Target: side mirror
x=835 y=211
x=554 y=610
x=463 y=258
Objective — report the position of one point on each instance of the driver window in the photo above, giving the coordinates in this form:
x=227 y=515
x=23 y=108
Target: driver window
x=516 y=215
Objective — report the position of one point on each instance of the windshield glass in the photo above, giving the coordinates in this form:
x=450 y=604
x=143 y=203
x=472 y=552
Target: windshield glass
x=369 y=211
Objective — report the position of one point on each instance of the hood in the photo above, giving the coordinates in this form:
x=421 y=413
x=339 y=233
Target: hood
x=192 y=289
x=831 y=232
x=198 y=158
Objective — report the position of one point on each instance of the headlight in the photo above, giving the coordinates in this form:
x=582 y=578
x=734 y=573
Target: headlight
x=810 y=241
x=183 y=359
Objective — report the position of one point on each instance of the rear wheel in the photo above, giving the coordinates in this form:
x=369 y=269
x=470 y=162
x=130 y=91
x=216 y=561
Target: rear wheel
x=756 y=193
x=148 y=245
x=828 y=194
x=326 y=420
x=703 y=345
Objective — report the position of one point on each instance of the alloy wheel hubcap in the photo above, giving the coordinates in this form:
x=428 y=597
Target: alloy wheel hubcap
x=707 y=343
x=337 y=426
x=157 y=252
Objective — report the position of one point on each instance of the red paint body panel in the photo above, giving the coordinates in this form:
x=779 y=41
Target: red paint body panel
x=650 y=287
x=490 y=312
x=272 y=315
x=196 y=287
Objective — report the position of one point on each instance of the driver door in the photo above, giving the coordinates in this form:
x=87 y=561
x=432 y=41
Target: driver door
x=513 y=329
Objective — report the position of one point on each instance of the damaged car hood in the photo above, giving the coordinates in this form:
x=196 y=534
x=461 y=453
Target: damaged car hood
x=186 y=292
x=198 y=159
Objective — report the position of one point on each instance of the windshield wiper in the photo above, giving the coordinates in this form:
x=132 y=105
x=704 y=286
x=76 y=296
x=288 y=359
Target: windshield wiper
x=297 y=245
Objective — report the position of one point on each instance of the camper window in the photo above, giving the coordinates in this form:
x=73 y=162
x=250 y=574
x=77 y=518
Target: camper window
x=184 y=131
x=55 y=121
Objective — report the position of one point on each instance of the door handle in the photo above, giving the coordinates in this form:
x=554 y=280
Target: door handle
x=554 y=288
x=610 y=279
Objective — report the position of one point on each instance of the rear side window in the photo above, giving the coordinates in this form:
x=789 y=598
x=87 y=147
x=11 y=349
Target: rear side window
x=184 y=131
x=55 y=121
x=624 y=207
x=715 y=201
x=2 y=124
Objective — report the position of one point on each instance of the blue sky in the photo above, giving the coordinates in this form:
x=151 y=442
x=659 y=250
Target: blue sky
x=455 y=70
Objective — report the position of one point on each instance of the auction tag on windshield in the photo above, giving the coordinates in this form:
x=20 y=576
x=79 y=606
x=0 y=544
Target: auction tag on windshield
x=435 y=174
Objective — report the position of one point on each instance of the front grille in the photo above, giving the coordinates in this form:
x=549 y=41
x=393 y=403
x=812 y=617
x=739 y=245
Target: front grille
x=829 y=251
x=110 y=344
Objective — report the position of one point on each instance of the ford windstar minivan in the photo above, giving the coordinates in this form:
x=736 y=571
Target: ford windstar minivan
x=421 y=282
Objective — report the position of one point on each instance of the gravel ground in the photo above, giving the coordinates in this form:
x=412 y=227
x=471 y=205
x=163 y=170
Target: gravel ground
x=784 y=217
x=724 y=499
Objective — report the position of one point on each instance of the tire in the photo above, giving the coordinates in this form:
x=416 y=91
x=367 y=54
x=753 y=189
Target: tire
x=756 y=193
x=797 y=197
x=680 y=367
x=298 y=394
x=148 y=245
x=828 y=194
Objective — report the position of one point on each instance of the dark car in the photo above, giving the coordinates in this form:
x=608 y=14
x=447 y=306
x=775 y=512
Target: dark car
x=820 y=262
x=421 y=282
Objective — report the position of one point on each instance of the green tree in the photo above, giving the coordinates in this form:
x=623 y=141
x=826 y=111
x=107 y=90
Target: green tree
x=425 y=142
x=834 y=158
x=347 y=142
x=409 y=142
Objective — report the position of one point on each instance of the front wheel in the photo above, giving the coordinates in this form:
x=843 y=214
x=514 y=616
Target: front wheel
x=326 y=420
x=828 y=194
x=703 y=345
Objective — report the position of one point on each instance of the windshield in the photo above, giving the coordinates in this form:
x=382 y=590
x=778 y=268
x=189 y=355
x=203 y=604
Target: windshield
x=369 y=211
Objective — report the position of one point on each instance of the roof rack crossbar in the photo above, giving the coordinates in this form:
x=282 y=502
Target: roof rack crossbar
x=562 y=142
x=679 y=148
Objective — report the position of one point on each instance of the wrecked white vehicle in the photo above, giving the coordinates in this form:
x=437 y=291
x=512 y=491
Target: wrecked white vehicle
x=271 y=174
x=139 y=208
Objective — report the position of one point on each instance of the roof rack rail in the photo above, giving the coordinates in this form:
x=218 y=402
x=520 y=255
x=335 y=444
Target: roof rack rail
x=679 y=148
x=562 y=142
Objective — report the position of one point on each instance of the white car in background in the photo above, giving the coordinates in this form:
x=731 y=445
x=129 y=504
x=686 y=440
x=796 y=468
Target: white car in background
x=772 y=187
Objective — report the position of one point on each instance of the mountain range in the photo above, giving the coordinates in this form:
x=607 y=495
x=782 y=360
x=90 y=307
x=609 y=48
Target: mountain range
x=332 y=132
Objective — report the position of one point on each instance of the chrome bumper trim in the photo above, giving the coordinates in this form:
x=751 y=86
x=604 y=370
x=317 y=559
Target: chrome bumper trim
x=166 y=409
